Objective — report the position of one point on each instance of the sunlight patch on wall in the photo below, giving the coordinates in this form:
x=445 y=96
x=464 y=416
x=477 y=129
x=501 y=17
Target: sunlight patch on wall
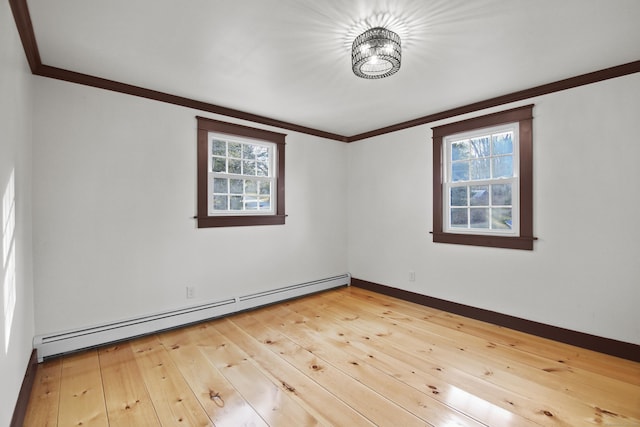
x=8 y=218
x=8 y=257
x=9 y=299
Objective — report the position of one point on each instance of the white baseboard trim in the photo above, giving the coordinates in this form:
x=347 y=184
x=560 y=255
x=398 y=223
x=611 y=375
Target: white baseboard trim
x=56 y=344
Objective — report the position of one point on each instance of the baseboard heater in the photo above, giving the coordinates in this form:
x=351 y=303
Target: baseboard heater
x=70 y=341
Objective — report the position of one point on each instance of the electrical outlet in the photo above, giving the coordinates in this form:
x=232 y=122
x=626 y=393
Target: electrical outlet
x=412 y=276
x=191 y=292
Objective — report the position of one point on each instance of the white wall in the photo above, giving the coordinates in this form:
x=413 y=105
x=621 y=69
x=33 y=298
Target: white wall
x=16 y=286
x=584 y=273
x=114 y=197
x=114 y=191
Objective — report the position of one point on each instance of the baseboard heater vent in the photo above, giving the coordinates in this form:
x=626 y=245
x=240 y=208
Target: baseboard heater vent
x=66 y=342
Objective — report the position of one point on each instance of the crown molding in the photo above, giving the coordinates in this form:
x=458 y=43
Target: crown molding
x=557 y=86
x=25 y=29
x=27 y=35
x=98 y=82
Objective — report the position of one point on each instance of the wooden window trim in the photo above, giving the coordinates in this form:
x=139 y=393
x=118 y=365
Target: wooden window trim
x=522 y=115
x=205 y=220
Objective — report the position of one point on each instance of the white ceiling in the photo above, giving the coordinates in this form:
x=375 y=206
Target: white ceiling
x=290 y=59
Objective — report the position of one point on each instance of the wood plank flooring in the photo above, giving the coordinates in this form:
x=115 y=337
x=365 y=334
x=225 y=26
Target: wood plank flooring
x=347 y=357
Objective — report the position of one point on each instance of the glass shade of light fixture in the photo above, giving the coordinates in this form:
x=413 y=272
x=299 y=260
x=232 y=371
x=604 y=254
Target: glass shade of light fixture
x=376 y=53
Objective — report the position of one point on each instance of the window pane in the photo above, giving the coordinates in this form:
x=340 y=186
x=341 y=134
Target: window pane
x=265 y=203
x=250 y=187
x=236 y=203
x=460 y=150
x=459 y=196
x=479 y=195
x=480 y=169
x=236 y=186
x=235 y=166
x=220 y=203
x=262 y=168
x=502 y=167
x=219 y=165
x=459 y=217
x=501 y=218
x=460 y=171
x=220 y=185
x=480 y=147
x=251 y=203
x=501 y=195
x=248 y=167
x=235 y=150
x=502 y=143
x=265 y=187
x=479 y=217
x=247 y=151
x=218 y=147
x=262 y=153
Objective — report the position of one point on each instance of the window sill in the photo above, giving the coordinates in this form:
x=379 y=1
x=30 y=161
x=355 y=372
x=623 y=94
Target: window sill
x=240 y=220
x=520 y=242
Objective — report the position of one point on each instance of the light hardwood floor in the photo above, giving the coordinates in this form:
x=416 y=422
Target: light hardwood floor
x=347 y=357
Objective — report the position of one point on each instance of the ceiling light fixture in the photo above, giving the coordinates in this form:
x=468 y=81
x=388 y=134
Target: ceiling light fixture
x=376 y=53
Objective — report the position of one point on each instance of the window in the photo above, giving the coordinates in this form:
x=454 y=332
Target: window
x=240 y=175
x=483 y=181
x=243 y=176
